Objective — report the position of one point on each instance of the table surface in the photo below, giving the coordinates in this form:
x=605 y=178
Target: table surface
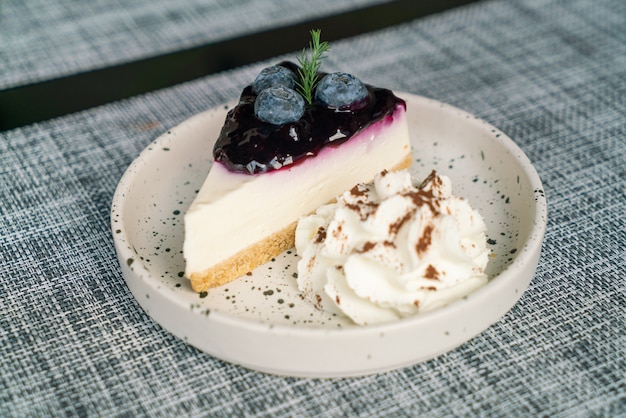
x=50 y=39
x=549 y=73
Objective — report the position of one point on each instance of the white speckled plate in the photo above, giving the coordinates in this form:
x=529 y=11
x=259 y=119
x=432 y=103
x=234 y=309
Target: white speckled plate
x=259 y=321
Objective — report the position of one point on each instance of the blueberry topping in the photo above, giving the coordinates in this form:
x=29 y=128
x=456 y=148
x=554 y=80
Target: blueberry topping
x=279 y=105
x=274 y=76
x=248 y=145
x=341 y=91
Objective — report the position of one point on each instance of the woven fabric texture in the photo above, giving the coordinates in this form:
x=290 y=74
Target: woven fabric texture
x=42 y=39
x=549 y=73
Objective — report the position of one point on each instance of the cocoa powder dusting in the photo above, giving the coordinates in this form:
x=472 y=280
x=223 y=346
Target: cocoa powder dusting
x=318 y=301
x=358 y=191
x=426 y=197
x=310 y=264
x=337 y=232
x=395 y=227
x=362 y=207
x=423 y=197
x=366 y=247
x=321 y=235
x=353 y=207
x=425 y=240
x=388 y=243
x=431 y=176
x=431 y=273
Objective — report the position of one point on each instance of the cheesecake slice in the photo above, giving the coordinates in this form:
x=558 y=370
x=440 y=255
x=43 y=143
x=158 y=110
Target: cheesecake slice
x=265 y=176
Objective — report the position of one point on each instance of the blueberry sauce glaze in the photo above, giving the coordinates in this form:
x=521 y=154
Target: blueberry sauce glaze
x=249 y=146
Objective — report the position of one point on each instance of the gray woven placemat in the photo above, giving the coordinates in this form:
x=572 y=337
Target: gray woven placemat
x=549 y=73
x=47 y=39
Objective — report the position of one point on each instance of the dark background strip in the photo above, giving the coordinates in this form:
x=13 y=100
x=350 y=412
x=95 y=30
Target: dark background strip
x=28 y=104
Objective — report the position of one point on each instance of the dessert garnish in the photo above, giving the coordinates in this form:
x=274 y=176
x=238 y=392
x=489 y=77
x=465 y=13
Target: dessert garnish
x=390 y=249
x=309 y=67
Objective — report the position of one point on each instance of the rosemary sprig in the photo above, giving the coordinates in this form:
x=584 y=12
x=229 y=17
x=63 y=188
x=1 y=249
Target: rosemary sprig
x=310 y=66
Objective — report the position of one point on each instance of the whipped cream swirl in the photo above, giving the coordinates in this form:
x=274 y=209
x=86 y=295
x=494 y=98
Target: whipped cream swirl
x=389 y=249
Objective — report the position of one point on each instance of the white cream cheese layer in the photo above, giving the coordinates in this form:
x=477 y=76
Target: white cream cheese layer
x=389 y=249
x=234 y=211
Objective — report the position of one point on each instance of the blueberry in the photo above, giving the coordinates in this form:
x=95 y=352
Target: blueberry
x=279 y=105
x=273 y=77
x=341 y=91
